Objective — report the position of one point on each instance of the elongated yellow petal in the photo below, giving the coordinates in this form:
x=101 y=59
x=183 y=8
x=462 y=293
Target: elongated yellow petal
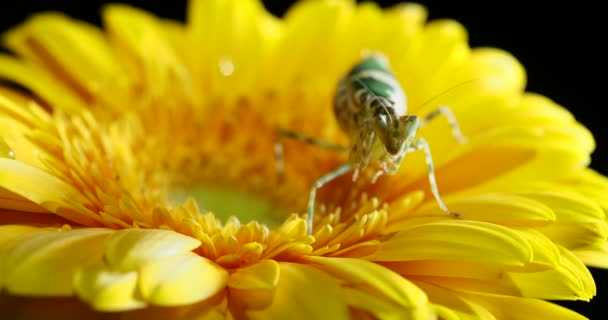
x=545 y=253
x=579 y=222
x=78 y=47
x=406 y=22
x=263 y=275
x=19 y=108
x=299 y=37
x=462 y=308
x=130 y=249
x=595 y=257
x=254 y=286
x=570 y=280
x=379 y=307
x=218 y=30
x=442 y=312
x=456 y=240
x=181 y=279
x=77 y=52
x=357 y=272
x=5 y=150
x=8 y=234
x=215 y=308
x=39 y=81
x=307 y=286
x=439 y=50
x=12 y=201
x=381 y=280
x=499 y=208
x=18 y=118
x=495 y=277
x=44 y=263
x=592 y=185
x=506 y=307
x=146 y=51
x=567 y=279
x=44 y=189
x=106 y=289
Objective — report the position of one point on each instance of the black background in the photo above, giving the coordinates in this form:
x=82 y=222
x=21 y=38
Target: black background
x=558 y=44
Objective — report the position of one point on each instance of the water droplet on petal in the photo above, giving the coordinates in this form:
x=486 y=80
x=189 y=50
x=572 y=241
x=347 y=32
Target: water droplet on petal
x=5 y=150
x=226 y=66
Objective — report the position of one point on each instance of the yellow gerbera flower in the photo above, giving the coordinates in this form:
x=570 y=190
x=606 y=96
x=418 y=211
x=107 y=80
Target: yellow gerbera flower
x=137 y=173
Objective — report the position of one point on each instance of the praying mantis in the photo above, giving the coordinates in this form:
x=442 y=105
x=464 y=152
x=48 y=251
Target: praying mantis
x=370 y=107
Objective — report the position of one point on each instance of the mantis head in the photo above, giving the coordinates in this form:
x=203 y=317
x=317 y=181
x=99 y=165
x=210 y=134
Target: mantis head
x=397 y=133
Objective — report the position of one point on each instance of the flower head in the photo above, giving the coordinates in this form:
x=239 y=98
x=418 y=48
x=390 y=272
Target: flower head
x=137 y=173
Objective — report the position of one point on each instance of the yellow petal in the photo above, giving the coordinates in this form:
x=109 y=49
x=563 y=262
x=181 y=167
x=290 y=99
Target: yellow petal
x=21 y=107
x=506 y=307
x=405 y=20
x=144 y=49
x=106 y=289
x=300 y=292
x=12 y=201
x=181 y=279
x=8 y=234
x=42 y=188
x=567 y=279
x=579 y=222
x=262 y=275
x=379 y=307
x=595 y=257
x=218 y=31
x=386 y=282
x=544 y=251
x=379 y=280
x=462 y=308
x=40 y=82
x=132 y=248
x=456 y=240
x=592 y=185
x=499 y=208
x=501 y=72
x=445 y=313
x=19 y=116
x=570 y=280
x=215 y=308
x=430 y=62
x=545 y=258
x=29 y=264
x=5 y=150
x=530 y=107
x=253 y=286
x=77 y=53
x=300 y=37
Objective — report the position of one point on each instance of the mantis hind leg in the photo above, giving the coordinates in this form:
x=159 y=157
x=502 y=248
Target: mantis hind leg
x=323 y=180
x=421 y=144
x=449 y=115
x=278 y=146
